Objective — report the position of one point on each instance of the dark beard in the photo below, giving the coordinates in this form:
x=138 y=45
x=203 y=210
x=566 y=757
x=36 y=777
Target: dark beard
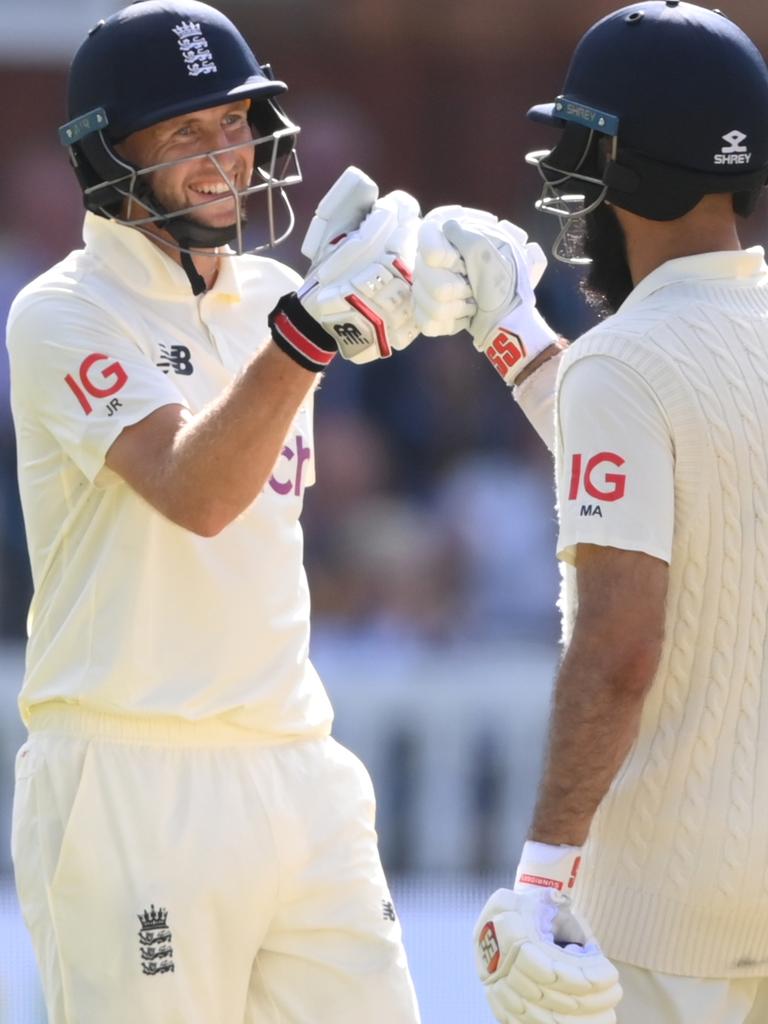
x=608 y=280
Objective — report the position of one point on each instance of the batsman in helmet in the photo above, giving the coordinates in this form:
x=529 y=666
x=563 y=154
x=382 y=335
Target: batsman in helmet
x=190 y=844
x=645 y=865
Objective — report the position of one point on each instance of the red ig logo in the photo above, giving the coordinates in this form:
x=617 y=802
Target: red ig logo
x=614 y=483
x=114 y=376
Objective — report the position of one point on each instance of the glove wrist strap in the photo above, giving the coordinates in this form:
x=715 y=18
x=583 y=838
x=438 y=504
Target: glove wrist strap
x=548 y=867
x=516 y=342
x=300 y=336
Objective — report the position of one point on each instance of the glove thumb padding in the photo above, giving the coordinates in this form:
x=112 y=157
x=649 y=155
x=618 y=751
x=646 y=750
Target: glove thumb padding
x=536 y=261
x=390 y=226
x=341 y=210
x=361 y=247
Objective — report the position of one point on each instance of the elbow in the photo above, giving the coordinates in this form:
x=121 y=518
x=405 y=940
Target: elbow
x=204 y=520
x=206 y=528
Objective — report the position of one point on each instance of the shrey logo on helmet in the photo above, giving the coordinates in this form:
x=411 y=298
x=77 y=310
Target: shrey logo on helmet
x=733 y=152
x=647 y=115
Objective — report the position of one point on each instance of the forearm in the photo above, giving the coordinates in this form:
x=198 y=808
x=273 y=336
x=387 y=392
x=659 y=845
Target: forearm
x=229 y=449
x=202 y=471
x=534 y=391
x=594 y=722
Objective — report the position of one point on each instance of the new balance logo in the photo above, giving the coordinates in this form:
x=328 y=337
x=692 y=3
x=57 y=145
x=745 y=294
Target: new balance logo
x=177 y=358
x=388 y=910
x=733 y=152
x=349 y=333
x=155 y=942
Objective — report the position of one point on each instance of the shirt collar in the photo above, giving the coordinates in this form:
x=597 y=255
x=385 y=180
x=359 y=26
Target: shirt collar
x=706 y=266
x=144 y=266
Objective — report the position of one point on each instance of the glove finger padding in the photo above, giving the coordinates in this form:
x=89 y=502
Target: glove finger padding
x=434 y=249
x=440 y=214
x=360 y=247
x=493 y=279
x=341 y=210
x=471 y=270
x=442 y=298
x=442 y=301
x=500 y=268
x=519 y=963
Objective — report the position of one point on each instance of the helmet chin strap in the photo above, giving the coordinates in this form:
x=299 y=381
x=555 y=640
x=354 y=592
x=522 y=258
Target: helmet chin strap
x=188 y=234
x=191 y=235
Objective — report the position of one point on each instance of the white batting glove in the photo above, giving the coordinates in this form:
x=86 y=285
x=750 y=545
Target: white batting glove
x=342 y=209
x=537 y=960
x=361 y=292
x=356 y=298
x=474 y=272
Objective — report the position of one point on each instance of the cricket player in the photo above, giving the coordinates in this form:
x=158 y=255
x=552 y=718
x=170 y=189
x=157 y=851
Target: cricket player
x=190 y=845
x=650 y=822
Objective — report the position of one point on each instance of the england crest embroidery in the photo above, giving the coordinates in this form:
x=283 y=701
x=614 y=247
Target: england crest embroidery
x=194 y=49
x=155 y=941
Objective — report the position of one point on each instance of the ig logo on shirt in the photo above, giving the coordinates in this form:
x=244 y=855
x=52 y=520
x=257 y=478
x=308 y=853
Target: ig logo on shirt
x=593 y=479
x=101 y=383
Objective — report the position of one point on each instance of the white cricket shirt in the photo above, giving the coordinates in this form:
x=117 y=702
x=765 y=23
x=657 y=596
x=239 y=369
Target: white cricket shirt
x=661 y=446
x=131 y=613
x=615 y=461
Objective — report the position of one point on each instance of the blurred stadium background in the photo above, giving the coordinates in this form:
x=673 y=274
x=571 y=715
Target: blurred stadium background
x=430 y=533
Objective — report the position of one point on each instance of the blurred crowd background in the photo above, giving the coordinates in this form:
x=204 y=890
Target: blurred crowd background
x=430 y=533
x=432 y=521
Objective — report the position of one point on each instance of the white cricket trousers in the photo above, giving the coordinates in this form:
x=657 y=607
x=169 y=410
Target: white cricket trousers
x=185 y=873
x=651 y=997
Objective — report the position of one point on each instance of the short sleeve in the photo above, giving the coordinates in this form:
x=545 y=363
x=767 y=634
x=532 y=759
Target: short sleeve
x=77 y=373
x=615 y=461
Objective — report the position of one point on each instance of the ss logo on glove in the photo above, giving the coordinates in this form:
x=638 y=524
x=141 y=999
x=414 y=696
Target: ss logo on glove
x=489 y=947
x=505 y=351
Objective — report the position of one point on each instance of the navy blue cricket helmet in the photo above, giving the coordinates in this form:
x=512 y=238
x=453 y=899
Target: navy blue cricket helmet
x=155 y=60
x=663 y=103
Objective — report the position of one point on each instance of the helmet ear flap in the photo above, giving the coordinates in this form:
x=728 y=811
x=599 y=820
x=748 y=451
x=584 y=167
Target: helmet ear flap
x=744 y=203
x=267 y=118
x=96 y=166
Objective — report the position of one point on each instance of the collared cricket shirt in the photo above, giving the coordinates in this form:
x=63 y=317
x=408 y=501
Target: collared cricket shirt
x=131 y=613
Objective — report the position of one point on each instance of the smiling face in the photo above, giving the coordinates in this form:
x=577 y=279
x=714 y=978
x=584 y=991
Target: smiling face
x=195 y=182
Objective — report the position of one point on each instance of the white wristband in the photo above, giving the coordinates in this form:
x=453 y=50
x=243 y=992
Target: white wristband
x=548 y=867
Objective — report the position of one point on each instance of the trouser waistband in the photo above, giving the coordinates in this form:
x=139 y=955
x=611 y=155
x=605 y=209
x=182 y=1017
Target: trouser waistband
x=55 y=716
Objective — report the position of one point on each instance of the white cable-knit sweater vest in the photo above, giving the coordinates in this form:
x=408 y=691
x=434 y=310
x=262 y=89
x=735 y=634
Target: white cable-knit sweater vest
x=676 y=874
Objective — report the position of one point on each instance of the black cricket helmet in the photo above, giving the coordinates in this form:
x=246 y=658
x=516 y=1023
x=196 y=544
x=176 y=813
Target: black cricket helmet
x=160 y=59
x=664 y=102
